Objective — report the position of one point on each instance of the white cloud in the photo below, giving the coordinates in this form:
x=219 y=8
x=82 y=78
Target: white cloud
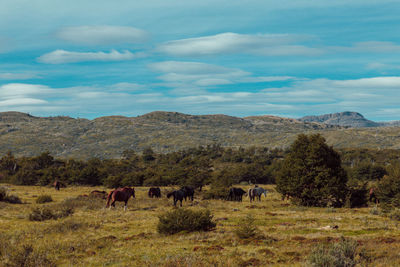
x=189 y=74
x=62 y=56
x=18 y=90
x=18 y=76
x=373 y=46
x=21 y=102
x=228 y=43
x=100 y=35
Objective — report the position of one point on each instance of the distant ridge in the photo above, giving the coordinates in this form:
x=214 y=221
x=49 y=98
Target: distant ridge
x=109 y=136
x=347 y=118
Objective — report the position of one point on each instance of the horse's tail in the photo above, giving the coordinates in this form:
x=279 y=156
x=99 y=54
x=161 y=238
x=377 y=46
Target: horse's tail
x=109 y=198
x=149 y=193
x=250 y=192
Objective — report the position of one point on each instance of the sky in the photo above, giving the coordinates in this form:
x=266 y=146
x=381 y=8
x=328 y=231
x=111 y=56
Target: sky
x=287 y=58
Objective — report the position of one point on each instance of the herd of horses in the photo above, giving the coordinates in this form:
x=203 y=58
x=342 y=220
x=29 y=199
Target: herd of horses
x=184 y=193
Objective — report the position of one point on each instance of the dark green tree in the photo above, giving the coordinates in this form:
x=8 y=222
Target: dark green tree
x=312 y=173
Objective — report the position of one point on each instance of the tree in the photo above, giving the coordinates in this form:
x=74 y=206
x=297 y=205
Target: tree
x=312 y=173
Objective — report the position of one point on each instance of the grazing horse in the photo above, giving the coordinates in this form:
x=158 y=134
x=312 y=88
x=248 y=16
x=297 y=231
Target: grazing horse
x=178 y=195
x=372 y=196
x=236 y=194
x=189 y=192
x=120 y=194
x=257 y=192
x=98 y=194
x=57 y=185
x=154 y=192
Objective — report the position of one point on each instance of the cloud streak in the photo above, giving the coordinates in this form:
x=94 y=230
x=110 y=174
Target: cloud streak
x=62 y=56
x=102 y=35
x=233 y=43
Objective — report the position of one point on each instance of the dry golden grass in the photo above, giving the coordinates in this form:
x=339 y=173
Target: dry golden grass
x=95 y=236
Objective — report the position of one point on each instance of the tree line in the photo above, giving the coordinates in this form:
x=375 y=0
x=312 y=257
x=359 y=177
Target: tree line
x=310 y=171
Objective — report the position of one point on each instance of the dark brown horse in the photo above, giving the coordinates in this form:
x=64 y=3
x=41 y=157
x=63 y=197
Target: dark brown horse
x=120 y=194
x=154 y=192
x=57 y=185
x=178 y=196
x=372 y=196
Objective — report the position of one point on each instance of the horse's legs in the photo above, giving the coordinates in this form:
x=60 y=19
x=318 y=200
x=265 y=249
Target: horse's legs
x=126 y=203
x=175 y=200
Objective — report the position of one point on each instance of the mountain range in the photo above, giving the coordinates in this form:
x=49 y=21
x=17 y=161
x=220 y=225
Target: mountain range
x=108 y=137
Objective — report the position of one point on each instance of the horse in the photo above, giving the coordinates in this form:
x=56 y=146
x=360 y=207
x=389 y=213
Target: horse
x=120 y=194
x=189 y=192
x=57 y=185
x=372 y=196
x=154 y=192
x=256 y=192
x=178 y=195
x=236 y=194
x=98 y=194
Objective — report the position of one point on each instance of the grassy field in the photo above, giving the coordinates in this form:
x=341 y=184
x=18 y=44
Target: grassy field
x=95 y=236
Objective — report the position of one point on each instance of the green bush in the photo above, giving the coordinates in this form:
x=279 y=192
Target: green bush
x=247 y=228
x=339 y=254
x=179 y=220
x=44 y=199
x=47 y=213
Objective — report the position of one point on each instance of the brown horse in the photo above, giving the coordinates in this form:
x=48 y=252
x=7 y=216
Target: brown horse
x=120 y=194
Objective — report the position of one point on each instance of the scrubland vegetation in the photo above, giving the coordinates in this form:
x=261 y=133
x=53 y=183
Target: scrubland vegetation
x=328 y=220
x=271 y=232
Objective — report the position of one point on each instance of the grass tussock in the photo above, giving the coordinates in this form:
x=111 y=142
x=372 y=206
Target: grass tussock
x=48 y=213
x=338 y=254
x=44 y=199
x=247 y=228
x=6 y=197
x=179 y=220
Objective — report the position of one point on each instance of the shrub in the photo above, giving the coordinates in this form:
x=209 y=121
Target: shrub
x=13 y=199
x=339 y=254
x=312 y=173
x=4 y=196
x=46 y=213
x=179 y=220
x=44 y=199
x=247 y=228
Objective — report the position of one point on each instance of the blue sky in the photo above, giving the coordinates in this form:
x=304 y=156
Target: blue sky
x=288 y=58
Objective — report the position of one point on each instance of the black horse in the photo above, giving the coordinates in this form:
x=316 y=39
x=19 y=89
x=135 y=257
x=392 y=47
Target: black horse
x=236 y=194
x=178 y=195
x=154 y=192
x=189 y=192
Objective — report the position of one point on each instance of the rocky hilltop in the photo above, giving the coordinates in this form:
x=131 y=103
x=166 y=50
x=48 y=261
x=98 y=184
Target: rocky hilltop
x=347 y=118
x=108 y=137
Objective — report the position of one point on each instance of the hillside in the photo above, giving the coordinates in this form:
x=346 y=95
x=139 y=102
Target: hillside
x=108 y=137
